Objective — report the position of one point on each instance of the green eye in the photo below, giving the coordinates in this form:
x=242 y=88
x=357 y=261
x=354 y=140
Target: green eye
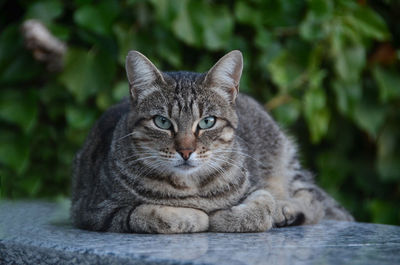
x=162 y=122
x=207 y=122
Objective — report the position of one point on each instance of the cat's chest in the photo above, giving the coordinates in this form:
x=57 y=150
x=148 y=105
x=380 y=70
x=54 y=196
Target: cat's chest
x=211 y=197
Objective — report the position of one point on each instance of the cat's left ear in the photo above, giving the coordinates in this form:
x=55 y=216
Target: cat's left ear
x=225 y=75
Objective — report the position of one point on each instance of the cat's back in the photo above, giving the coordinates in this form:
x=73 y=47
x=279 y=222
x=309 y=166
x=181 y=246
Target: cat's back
x=260 y=137
x=97 y=145
x=104 y=127
x=255 y=124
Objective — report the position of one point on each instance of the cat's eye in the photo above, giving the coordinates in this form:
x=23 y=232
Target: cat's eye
x=162 y=122
x=207 y=122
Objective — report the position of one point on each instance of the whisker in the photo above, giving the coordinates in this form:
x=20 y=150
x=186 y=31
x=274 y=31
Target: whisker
x=151 y=168
x=228 y=159
x=238 y=153
x=150 y=152
x=217 y=168
x=140 y=159
x=223 y=160
x=213 y=165
x=129 y=134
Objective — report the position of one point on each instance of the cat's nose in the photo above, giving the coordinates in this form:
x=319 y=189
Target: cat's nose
x=185 y=153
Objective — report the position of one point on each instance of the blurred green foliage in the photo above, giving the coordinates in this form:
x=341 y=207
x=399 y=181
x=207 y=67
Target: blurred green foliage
x=328 y=70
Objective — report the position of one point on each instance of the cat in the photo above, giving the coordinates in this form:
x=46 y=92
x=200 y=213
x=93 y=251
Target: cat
x=186 y=152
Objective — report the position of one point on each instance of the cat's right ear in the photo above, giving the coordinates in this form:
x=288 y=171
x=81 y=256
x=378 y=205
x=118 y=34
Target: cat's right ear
x=142 y=74
x=225 y=75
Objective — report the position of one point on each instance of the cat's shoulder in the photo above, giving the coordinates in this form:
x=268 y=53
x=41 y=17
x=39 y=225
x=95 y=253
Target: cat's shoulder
x=243 y=100
x=247 y=105
x=109 y=119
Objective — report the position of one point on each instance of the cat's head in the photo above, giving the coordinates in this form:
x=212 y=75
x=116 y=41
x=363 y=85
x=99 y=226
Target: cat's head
x=184 y=123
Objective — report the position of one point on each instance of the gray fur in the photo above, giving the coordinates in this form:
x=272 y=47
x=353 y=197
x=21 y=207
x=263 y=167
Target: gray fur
x=242 y=174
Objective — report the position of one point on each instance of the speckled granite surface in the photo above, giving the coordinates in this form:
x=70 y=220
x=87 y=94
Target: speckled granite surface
x=38 y=233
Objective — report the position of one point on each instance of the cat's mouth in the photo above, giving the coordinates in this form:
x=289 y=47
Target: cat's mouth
x=185 y=166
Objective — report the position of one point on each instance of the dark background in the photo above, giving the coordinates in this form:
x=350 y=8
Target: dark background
x=327 y=70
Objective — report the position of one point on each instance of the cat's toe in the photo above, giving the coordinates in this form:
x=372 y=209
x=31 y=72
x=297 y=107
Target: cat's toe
x=242 y=218
x=187 y=221
x=287 y=214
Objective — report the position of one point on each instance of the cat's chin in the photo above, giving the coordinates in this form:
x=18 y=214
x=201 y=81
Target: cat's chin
x=185 y=169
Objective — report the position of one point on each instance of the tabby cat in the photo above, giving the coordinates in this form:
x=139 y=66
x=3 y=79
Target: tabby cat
x=188 y=153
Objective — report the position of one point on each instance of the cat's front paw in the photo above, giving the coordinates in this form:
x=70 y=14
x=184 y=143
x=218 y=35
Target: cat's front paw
x=168 y=220
x=288 y=213
x=253 y=215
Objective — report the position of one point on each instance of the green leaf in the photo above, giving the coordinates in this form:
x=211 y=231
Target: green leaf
x=246 y=14
x=103 y=71
x=388 y=162
x=16 y=63
x=316 y=78
x=316 y=113
x=389 y=168
x=76 y=73
x=30 y=186
x=90 y=18
x=350 y=62
x=168 y=48
x=97 y=18
x=383 y=212
x=80 y=117
x=75 y=136
x=20 y=108
x=82 y=2
x=10 y=44
x=217 y=27
x=263 y=38
x=369 y=117
x=368 y=22
x=284 y=70
x=321 y=8
x=103 y=100
x=348 y=96
x=166 y=10
x=126 y=41
x=311 y=29
x=334 y=167
x=288 y=113
x=59 y=31
x=14 y=151
x=120 y=90
x=198 y=24
x=86 y=73
x=184 y=27
x=45 y=11
x=388 y=82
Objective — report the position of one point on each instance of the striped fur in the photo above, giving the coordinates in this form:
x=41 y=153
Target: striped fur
x=243 y=174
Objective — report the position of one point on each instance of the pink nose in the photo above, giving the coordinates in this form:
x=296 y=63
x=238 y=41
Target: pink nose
x=185 y=153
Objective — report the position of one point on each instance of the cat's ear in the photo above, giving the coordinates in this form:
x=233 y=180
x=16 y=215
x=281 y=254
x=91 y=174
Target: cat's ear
x=225 y=74
x=142 y=74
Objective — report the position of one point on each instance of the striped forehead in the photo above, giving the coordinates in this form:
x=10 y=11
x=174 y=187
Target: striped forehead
x=184 y=105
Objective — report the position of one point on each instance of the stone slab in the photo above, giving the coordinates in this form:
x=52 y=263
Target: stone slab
x=39 y=233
